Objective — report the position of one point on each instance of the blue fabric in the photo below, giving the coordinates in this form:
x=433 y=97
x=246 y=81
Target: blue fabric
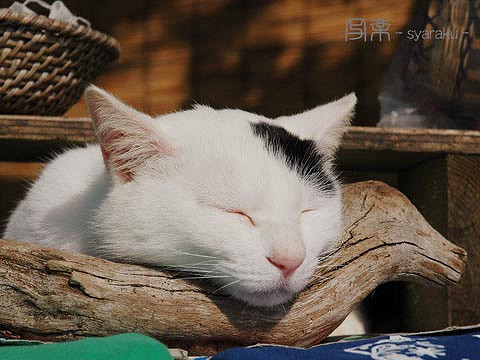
x=463 y=346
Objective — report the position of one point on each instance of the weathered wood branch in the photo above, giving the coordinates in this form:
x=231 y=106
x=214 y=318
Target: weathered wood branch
x=53 y=295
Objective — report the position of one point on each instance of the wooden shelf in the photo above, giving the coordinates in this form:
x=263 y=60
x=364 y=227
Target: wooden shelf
x=31 y=138
x=46 y=128
x=358 y=138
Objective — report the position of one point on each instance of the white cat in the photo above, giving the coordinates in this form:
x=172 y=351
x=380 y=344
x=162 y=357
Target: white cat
x=247 y=201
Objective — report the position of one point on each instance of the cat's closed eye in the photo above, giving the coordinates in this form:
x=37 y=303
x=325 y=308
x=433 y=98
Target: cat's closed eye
x=241 y=213
x=308 y=210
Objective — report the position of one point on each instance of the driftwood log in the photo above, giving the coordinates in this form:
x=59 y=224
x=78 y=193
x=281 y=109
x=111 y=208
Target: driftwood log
x=52 y=295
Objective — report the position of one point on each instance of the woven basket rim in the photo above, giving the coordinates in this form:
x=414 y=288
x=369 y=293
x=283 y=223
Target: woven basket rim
x=74 y=30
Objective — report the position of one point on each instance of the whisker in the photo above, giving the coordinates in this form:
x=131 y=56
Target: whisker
x=204 y=277
x=245 y=308
x=198 y=255
x=224 y=286
x=179 y=268
x=202 y=266
x=208 y=273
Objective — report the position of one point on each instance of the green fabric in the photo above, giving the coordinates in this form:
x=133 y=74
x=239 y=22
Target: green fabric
x=118 y=347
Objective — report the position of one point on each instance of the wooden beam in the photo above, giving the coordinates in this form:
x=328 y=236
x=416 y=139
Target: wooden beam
x=446 y=190
x=46 y=128
x=33 y=128
x=463 y=214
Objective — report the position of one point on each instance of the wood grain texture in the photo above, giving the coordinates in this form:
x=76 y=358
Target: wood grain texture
x=447 y=191
x=53 y=295
x=12 y=171
x=463 y=214
x=426 y=307
x=271 y=57
x=46 y=128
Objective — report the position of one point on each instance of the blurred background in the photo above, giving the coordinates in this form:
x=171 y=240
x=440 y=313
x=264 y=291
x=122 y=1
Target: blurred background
x=271 y=57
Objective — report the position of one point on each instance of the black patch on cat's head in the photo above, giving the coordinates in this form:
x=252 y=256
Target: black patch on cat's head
x=300 y=155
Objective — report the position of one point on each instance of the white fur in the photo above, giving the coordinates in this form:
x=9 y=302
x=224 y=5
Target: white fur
x=188 y=168
x=325 y=123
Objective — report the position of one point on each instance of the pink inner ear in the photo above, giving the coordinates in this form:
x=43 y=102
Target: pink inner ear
x=122 y=165
x=108 y=148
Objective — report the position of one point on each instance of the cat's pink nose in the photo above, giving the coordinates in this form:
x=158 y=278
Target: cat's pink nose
x=287 y=265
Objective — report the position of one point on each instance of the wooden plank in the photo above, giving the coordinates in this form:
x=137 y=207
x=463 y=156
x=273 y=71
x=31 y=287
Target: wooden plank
x=46 y=128
x=426 y=307
x=12 y=171
x=413 y=140
x=447 y=192
x=464 y=230
x=358 y=138
x=380 y=160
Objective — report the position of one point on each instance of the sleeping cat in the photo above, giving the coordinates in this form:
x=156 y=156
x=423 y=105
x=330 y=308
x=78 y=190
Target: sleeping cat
x=247 y=201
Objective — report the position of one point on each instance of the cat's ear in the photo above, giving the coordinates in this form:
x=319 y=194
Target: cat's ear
x=126 y=138
x=324 y=124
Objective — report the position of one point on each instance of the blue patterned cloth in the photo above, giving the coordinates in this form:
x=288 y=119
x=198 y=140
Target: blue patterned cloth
x=459 y=345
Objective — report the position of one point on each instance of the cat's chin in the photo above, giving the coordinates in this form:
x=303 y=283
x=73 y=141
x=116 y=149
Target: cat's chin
x=268 y=298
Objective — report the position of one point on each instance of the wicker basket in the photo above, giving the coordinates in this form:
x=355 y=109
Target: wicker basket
x=45 y=64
